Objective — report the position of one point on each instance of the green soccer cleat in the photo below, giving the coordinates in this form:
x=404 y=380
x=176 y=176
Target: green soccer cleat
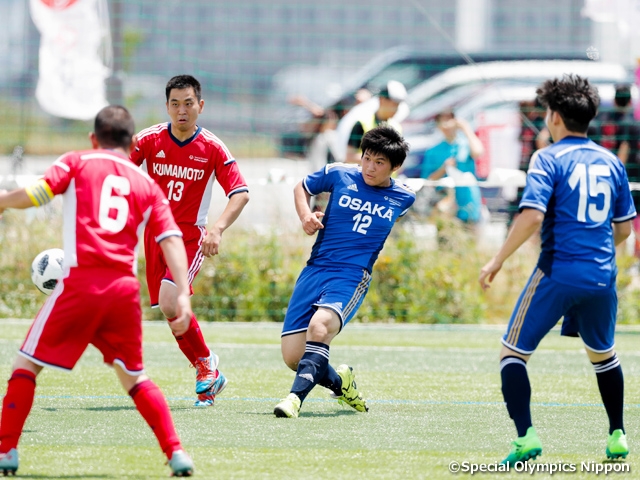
x=181 y=464
x=9 y=462
x=617 y=445
x=524 y=448
x=289 y=407
x=350 y=394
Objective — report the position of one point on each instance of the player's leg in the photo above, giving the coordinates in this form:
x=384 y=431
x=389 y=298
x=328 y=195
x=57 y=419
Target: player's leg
x=596 y=318
x=209 y=380
x=119 y=339
x=151 y=404
x=540 y=306
x=16 y=407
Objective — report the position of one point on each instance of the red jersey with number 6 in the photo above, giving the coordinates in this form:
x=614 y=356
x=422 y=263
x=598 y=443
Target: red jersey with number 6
x=186 y=170
x=108 y=201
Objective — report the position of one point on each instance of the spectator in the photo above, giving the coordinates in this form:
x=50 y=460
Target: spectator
x=455 y=154
x=618 y=131
x=390 y=98
x=534 y=135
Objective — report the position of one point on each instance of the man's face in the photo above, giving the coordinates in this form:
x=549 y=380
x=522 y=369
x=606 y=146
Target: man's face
x=388 y=108
x=183 y=108
x=376 y=169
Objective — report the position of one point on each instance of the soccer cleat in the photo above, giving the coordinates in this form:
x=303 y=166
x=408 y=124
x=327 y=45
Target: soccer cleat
x=289 y=407
x=9 y=462
x=206 y=372
x=205 y=399
x=350 y=394
x=524 y=448
x=219 y=384
x=617 y=445
x=181 y=464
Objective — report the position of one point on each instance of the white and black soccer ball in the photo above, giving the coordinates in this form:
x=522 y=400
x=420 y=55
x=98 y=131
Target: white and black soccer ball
x=47 y=269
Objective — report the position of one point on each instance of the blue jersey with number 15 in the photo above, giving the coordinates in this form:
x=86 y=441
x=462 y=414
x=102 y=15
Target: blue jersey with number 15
x=581 y=188
x=358 y=218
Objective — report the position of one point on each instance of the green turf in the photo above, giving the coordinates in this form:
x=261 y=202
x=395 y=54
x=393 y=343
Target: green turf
x=434 y=396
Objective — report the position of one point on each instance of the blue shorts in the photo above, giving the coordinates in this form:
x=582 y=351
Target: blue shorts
x=588 y=313
x=339 y=289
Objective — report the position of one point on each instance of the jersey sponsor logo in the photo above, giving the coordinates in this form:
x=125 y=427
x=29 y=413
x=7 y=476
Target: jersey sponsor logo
x=353 y=187
x=160 y=154
x=176 y=171
x=357 y=204
x=393 y=201
x=198 y=159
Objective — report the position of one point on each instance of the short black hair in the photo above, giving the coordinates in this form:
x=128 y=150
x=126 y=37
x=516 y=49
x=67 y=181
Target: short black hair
x=114 y=127
x=386 y=141
x=574 y=98
x=180 y=82
x=623 y=95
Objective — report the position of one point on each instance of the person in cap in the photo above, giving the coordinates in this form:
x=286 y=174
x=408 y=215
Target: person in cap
x=390 y=98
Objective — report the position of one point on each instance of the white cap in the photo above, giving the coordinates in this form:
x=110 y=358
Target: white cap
x=394 y=91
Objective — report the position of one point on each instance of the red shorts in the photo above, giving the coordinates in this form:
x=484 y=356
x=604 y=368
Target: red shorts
x=99 y=307
x=157 y=270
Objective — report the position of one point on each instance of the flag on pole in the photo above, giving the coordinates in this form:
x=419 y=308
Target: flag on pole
x=75 y=56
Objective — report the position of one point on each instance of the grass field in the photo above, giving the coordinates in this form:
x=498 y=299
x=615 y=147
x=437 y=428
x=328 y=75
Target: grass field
x=433 y=391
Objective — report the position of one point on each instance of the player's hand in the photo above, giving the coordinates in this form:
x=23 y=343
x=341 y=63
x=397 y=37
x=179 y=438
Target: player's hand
x=489 y=272
x=311 y=223
x=211 y=243
x=183 y=315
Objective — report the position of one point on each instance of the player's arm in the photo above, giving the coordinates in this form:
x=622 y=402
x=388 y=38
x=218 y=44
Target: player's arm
x=230 y=214
x=33 y=196
x=621 y=232
x=176 y=258
x=527 y=223
x=310 y=220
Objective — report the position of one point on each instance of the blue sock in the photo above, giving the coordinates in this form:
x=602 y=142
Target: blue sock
x=611 y=385
x=312 y=367
x=516 y=391
x=332 y=381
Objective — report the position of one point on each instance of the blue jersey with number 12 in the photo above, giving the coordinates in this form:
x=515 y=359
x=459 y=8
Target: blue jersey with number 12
x=581 y=188
x=358 y=218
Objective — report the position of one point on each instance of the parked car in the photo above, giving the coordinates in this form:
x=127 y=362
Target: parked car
x=327 y=87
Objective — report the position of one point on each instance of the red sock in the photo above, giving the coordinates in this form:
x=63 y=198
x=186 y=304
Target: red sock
x=16 y=407
x=196 y=340
x=153 y=407
x=184 y=345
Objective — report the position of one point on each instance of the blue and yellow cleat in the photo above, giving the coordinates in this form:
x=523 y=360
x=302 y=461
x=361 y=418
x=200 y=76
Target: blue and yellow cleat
x=524 y=448
x=350 y=394
x=206 y=368
x=181 y=464
x=289 y=407
x=617 y=446
x=9 y=462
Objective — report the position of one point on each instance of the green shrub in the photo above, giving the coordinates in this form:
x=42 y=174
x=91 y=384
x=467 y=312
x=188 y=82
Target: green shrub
x=253 y=277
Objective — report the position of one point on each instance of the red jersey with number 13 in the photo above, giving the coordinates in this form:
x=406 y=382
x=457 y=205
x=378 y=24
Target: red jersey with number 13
x=186 y=170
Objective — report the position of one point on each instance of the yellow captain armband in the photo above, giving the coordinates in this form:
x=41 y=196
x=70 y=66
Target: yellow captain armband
x=40 y=193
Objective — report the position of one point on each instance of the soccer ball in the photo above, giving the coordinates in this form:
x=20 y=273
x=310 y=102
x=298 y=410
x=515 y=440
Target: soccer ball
x=46 y=269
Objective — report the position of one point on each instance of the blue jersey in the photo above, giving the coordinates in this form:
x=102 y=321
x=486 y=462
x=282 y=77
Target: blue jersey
x=581 y=188
x=358 y=218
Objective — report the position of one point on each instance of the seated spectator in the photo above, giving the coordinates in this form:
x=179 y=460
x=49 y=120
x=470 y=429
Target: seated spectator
x=456 y=153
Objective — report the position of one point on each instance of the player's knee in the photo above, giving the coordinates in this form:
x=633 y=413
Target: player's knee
x=323 y=332
x=167 y=308
x=291 y=360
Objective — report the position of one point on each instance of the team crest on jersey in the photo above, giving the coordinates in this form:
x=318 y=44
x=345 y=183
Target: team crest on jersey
x=160 y=154
x=353 y=187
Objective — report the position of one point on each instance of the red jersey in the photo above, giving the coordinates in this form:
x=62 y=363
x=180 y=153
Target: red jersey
x=186 y=170
x=108 y=201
